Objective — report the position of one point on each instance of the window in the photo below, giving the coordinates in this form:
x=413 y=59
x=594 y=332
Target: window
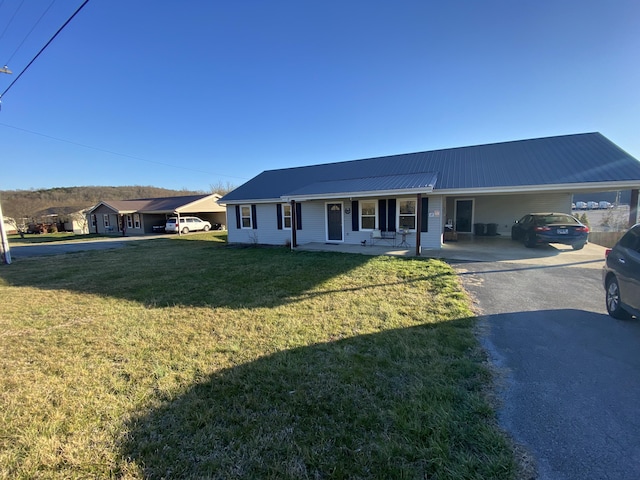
x=245 y=216
x=105 y=219
x=94 y=220
x=368 y=214
x=407 y=216
x=129 y=221
x=286 y=216
x=136 y=220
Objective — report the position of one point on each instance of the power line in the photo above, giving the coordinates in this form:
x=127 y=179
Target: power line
x=43 y=48
x=120 y=154
x=30 y=32
x=11 y=19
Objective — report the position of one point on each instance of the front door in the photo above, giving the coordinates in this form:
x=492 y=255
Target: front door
x=334 y=222
x=464 y=215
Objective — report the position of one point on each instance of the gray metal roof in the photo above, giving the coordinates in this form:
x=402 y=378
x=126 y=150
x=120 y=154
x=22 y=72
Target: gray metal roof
x=421 y=181
x=587 y=158
x=152 y=205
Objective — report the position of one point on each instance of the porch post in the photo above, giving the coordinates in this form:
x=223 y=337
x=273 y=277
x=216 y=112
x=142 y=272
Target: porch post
x=633 y=208
x=294 y=225
x=418 y=223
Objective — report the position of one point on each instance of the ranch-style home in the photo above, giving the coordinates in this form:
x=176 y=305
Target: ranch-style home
x=137 y=217
x=421 y=199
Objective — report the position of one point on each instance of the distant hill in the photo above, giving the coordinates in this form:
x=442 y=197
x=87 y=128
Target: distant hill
x=31 y=204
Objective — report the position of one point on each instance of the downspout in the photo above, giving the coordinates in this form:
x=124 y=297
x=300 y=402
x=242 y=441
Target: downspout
x=418 y=223
x=294 y=225
x=633 y=208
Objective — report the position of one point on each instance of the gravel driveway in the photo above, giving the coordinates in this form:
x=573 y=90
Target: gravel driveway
x=568 y=375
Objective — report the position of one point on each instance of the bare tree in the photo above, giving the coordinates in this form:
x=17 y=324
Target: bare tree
x=222 y=188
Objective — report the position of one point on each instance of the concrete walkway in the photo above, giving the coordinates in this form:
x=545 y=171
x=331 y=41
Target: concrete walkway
x=481 y=249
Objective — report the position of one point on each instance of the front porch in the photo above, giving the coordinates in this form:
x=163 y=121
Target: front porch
x=472 y=248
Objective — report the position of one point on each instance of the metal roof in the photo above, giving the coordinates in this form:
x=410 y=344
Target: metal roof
x=420 y=181
x=154 y=205
x=578 y=160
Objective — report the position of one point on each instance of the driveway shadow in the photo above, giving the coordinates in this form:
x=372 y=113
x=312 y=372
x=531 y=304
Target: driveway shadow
x=570 y=383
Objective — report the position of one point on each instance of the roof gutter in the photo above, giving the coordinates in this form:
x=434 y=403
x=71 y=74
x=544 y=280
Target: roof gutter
x=564 y=187
x=369 y=193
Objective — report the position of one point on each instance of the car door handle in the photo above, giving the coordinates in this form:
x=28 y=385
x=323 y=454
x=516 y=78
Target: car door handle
x=622 y=260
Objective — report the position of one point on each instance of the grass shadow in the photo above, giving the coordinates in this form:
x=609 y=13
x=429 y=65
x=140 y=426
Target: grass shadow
x=405 y=403
x=195 y=273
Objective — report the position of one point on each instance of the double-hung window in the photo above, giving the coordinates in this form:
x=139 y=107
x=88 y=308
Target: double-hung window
x=368 y=214
x=105 y=219
x=286 y=216
x=407 y=214
x=245 y=216
x=129 y=221
x=136 y=220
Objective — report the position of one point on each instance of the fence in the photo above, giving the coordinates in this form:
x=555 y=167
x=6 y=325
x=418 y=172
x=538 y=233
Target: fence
x=605 y=239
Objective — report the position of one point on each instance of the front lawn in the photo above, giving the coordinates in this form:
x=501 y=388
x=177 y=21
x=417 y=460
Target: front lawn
x=193 y=359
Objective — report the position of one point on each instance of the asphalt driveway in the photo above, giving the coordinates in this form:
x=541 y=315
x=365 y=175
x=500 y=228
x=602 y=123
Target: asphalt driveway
x=568 y=374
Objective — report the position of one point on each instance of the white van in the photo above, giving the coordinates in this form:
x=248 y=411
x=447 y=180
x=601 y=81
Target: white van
x=186 y=225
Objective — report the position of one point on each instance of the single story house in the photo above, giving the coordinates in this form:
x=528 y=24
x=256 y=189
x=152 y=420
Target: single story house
x=417 y=198
x=65 y=218
x=140 y=216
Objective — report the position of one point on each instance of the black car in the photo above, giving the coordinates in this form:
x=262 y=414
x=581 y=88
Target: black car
x=542 y=228
x=621 y=276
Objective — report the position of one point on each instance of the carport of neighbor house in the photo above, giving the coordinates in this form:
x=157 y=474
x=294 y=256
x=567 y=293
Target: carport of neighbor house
x=481 y=249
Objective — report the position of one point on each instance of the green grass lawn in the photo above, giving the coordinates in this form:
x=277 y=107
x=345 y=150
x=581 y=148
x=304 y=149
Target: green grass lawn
x=188 y=358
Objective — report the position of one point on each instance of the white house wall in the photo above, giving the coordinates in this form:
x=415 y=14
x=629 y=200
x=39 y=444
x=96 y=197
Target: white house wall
x=504 y=210
x=314 y=225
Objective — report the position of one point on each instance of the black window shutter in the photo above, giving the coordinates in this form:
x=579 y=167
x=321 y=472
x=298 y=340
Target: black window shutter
x=354 y=216
x=279 y=215
x=391 y=220
x=238 y=225
x=382 y=215
x=298 y=216
x=254 y=217
x=424 y=220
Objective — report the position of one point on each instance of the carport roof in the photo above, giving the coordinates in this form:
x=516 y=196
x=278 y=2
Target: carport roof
x=579 y=161
x=154 y=205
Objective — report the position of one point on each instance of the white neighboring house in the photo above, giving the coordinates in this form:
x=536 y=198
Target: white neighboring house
x=10 y=227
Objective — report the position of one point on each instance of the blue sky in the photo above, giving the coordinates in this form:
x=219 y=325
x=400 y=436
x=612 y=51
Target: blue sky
x=192 y=93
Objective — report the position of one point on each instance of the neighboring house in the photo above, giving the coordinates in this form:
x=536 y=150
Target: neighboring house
x=65 y=218
x=138 y=217
x=9 y=225
x=427 y=193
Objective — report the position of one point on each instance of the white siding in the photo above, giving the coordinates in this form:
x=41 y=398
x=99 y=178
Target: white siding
x=433 y=238
x=504 y=210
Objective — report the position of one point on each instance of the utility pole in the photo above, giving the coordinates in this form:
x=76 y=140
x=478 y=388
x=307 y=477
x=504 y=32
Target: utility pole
x=4 y=252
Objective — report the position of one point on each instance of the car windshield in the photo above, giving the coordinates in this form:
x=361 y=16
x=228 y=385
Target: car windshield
x=554 y=219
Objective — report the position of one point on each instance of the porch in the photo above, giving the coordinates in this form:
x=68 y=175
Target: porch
x=472 y=248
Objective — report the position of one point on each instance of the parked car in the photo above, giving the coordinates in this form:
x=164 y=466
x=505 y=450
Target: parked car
x=186 y=225
x=543 y=228
x=581 y=205
x=621 y=276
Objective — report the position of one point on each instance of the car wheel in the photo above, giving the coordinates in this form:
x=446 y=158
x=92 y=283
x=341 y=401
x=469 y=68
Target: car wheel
x=530 y=240
x=206 y=228
x=185 y=230
x=614 y=307
x=578 y=246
